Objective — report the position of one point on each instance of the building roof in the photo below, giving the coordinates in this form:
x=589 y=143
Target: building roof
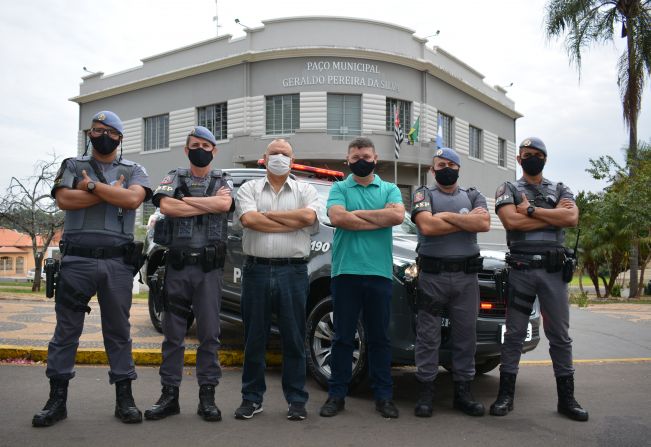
x=12 y=251
x=300 y=37
x=13 y=238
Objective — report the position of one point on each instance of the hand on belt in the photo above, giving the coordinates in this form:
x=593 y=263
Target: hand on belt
x=275 y=261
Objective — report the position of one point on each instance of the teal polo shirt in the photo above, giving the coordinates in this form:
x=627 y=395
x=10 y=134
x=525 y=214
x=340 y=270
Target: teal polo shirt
x=365 y=252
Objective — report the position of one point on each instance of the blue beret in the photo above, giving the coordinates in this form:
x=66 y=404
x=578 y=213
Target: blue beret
x=204 y=134
x=110 y=119
x=534 y=143
x=448 y=154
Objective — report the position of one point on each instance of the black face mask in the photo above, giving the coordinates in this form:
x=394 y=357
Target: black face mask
x=446 y=176
x=533 y=165
x=104 y=144
x=362 y=168
x=199 y=157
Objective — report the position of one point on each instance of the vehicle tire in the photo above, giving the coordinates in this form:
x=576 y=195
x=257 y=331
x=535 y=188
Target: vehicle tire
x=157 y=317
x=318 y=343
x=486 y=366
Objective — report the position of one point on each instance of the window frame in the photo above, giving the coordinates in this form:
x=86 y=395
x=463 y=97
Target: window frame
x=211 y=123
x=479 y=138
x=148 y=145
x=449 y=141
x=404 y=112
x=501 y=152
x=350 y=131
x=294 y=112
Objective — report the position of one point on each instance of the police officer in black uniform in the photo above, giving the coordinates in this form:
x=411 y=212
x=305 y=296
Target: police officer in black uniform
x=448 y=218
x=534 y=212
x=195 y=203
x=100 y=194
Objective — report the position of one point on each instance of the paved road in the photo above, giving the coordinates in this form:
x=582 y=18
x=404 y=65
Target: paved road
x=617 y=396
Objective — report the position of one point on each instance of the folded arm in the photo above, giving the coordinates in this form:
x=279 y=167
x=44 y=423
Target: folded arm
x=341 y=218
x=392 y=214
x=476 y=221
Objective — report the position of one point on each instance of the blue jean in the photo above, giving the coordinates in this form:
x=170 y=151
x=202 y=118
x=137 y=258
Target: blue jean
x=370 y=295
x=281 y=290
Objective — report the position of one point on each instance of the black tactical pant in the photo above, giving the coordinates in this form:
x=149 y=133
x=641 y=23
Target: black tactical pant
x=201 y=290
x=459 y=293
x=555 y=309
x=112 y=280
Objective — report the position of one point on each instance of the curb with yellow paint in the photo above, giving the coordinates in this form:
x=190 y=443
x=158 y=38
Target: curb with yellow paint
x=152 y=357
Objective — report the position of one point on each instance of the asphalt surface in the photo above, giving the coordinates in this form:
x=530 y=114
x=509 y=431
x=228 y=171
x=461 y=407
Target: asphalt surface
x=617 y=396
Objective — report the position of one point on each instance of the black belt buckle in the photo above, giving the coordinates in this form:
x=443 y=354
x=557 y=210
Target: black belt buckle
x=453 y=267
x=97 y=252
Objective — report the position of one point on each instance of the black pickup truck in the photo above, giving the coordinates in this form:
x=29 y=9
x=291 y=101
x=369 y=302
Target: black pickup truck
x=490 y=323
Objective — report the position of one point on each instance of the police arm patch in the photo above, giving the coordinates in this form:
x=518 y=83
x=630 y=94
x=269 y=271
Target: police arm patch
x=167 y=180
x=419 y=196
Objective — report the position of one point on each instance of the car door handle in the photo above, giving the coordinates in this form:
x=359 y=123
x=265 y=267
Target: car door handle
x=232 y=238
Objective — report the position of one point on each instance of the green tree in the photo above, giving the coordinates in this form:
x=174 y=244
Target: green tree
x=584 y=22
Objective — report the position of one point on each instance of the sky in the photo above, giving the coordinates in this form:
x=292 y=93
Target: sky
x=44 y=45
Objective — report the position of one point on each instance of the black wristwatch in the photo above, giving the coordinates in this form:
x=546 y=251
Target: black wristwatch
x=530 y=210
x=90 y=186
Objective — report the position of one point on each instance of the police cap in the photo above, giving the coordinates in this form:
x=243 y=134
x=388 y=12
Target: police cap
x=448 y=154
x=534 y=143
x=204 y=134
x=110 y=119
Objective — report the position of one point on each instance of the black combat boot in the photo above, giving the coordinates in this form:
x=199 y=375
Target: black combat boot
x=207 y=408
x=567 y=405
x=167 y=404
x=125 y=407
x=55 y=408
x=424 y=406
x=464 y=400
x=504 y=402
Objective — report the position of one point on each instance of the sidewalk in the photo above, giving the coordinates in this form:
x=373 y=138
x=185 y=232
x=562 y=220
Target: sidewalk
x=27 y=324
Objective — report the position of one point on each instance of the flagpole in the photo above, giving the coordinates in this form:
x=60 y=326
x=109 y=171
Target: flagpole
x=419 y=148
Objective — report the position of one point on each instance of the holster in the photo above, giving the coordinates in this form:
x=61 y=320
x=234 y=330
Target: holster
x=568 y=269
x=157 y=284
x=51 y=269
x=502 y=284
x=163 y=231
x=554 y=260
x=135 y=256
x=427 y=304
x=214 y=256
x=70 y=297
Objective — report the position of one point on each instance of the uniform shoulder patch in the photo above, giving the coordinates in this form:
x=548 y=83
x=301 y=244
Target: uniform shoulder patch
x=167 y=180
x=419 y=196
x=500 y=190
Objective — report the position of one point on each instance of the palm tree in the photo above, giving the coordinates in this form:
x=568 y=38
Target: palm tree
x=584 y=22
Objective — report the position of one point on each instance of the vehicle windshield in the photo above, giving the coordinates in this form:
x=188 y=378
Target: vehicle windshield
x=407 y=228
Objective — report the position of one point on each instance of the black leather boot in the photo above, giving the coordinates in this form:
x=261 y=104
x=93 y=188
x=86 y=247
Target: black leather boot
x=567 y=405
x=55 y=407
x=125 y=407
x=425 y=404
x=504 y=402
x=167 y=404
x=207 y=408
x=464 y=400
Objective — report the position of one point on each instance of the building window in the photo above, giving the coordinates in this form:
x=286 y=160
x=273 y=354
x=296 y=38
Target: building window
x=214 y=118
x=501 y=152
x=157 y=132
x=404 y=113
x=283 y=114
x=20 y=264
x=344 y=115
x=446 y=124
x=6 y=263
x=475 y=143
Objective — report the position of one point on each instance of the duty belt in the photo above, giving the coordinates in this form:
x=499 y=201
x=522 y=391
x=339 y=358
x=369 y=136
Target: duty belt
x=94 y=252
x=275 y=261
x=428 y=264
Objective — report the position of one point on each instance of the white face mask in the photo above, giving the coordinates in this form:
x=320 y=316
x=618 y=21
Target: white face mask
x=278 y=164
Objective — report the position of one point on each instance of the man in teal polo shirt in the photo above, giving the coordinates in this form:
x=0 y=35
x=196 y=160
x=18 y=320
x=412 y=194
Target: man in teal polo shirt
x=363 y=208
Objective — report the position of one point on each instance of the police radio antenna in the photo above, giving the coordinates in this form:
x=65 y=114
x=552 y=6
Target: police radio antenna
x=216 y=19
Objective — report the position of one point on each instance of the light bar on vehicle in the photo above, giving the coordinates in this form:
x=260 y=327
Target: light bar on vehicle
x=312 y=169
x=485 y=306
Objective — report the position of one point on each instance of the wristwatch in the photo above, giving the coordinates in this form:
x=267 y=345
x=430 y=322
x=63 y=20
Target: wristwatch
x=530 y=210
x=90 y=186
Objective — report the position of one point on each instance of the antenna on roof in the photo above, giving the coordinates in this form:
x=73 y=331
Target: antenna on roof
x=241 y=24
x=216 y=19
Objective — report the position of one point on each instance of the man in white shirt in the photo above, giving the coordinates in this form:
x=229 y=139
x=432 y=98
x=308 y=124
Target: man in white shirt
x=278 y=215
